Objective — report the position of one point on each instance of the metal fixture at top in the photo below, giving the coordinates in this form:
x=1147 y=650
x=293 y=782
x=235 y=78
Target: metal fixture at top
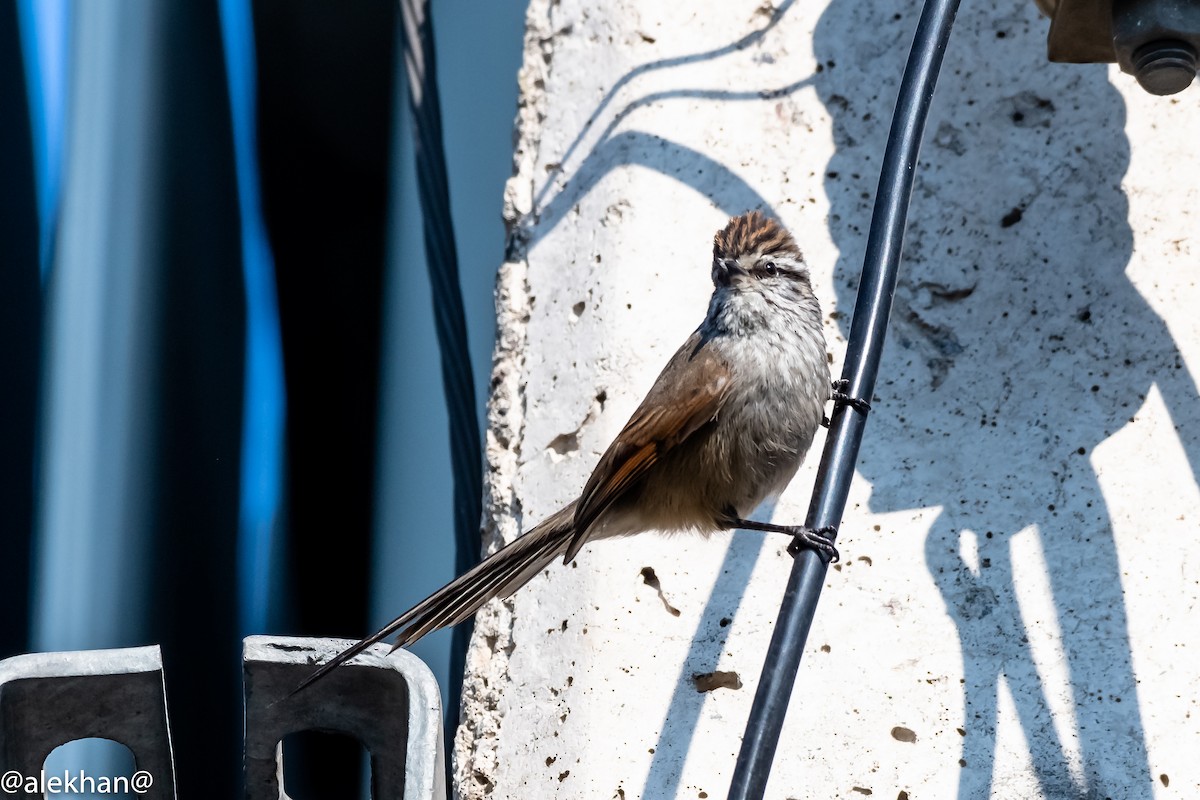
x=1156 y=41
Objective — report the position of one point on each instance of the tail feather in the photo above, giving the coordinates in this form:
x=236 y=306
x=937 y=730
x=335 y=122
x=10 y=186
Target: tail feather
x=498 y=575
x=500 y=581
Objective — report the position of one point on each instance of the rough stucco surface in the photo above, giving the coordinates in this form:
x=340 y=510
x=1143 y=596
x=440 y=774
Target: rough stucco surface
x=1016 y=614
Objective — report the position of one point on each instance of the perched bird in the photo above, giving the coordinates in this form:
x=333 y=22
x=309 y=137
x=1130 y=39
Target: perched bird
x=726 y=425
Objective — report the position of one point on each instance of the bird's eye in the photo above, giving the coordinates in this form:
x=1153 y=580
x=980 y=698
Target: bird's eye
x=770 y=268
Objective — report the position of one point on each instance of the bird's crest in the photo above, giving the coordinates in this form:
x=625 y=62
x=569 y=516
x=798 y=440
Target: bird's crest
x=754 y=232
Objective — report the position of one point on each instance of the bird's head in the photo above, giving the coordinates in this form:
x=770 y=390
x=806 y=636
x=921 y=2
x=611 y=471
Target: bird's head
x=757 y=269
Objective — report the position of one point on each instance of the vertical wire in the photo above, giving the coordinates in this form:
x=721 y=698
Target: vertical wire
x=441 y=256
x=864 y=350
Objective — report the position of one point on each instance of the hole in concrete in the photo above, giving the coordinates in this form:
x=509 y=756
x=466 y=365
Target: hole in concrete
x=323 y=765
x=651 y=580
x=565 y=443
x=711 y=681
x=90 y=769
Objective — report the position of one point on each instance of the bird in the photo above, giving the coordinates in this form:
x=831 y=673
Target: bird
x=725 y=426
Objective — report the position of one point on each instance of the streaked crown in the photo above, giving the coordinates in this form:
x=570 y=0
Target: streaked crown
x=754 y=234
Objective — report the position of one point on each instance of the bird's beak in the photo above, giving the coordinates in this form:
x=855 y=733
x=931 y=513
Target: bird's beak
x=726 y=270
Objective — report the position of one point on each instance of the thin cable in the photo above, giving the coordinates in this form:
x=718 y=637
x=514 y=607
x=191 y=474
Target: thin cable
x=864 y=349
x=441 y=256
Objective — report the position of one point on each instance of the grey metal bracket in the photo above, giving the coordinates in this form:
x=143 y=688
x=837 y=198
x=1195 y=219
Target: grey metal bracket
x=49 y=699
x=389 y=702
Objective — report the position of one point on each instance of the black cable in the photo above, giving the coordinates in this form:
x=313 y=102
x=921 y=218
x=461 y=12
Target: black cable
x=420 y=65
x=864 y=349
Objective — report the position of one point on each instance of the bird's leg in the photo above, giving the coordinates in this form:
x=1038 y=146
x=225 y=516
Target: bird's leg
x=803 y=538
x=840 y=398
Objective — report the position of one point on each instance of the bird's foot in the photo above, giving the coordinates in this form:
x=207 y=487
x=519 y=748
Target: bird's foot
x=821 y=540
x=840 y=398
x=803 y=537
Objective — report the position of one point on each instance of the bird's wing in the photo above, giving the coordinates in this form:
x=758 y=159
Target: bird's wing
x=675 y=408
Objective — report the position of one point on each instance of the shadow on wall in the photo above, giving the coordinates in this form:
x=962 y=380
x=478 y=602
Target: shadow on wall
x=612 y=151
x=1018 y=345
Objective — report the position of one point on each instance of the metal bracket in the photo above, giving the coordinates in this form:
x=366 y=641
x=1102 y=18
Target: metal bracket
x=388 y=701
x=49 y=699
x=1156 y=41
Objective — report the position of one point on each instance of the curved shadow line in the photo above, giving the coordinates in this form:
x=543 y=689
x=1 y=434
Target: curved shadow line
x=667 y=63
x=654 y=97
x=720 y=184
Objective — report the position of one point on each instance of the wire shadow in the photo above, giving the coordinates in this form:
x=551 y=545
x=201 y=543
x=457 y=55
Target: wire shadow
x=1015 y=259
x=687 y=703
x=654 y=66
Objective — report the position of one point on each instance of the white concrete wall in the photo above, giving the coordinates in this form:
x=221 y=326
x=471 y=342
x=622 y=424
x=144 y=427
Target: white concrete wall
x=1016 y=614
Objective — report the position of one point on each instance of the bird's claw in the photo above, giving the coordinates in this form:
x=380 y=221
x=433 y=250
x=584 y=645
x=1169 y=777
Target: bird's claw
x=820 y=540
x=840 y=398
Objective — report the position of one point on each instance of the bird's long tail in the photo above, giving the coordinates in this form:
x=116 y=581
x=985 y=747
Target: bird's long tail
x=498 y=575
